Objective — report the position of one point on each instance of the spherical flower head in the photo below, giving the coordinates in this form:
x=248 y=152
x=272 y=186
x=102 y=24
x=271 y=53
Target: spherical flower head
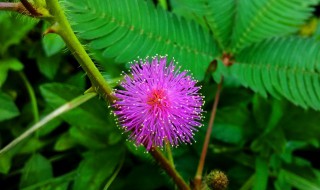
x=158 y=104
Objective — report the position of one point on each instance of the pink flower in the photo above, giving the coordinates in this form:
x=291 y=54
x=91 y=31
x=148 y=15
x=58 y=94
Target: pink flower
x=159 y=104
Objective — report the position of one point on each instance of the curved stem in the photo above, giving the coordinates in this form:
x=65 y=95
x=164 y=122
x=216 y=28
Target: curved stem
x=62 y=109
x=166 y=165
x=32 y=96
x=198 y=177
x=62 y=27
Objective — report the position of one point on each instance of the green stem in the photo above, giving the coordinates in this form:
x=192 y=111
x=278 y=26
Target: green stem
x=32 y=97
x=169 y=153
x=62 y=109
x=198 y=177
x=62 y=27
x=171 y=171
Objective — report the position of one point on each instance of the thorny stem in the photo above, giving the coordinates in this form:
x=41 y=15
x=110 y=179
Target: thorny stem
x=171 y=171
x=62 y=27
x=198 y=177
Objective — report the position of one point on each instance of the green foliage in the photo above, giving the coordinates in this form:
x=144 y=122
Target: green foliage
x=262 y=19
x=127 y=35
x=13 y=29
x=36 y=169
x=266 y=67
x=96 y=167
x=6 y=65
x=261 y=139
x=8 y=109
x=217 y=15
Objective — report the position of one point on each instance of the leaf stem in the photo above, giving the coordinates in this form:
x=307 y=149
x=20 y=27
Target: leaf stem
x=62 y=109
x=62 y=27
x=32 y=97
x=198 y=177
x=171 y=171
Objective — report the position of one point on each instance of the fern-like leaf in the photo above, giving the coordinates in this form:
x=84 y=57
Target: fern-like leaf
x=257 y=20
x=217 y=15
x=284 y=67
x=126 y=29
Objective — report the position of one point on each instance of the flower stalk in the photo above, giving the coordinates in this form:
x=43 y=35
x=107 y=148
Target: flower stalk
x=198 y=176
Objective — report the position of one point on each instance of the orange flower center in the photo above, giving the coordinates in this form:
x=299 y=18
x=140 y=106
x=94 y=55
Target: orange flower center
x=156 y=98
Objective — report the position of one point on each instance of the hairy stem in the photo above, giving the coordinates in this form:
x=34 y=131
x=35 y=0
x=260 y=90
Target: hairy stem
x=32 y=97
x=62 y=109
x=62 y=27
x=171 y=171
x=198 y=177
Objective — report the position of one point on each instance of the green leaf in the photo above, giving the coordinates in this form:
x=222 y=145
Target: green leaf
x=52 y=44
x=230 y=129
x=127 y=35
x=13 y=29
x=36 y=169
x=91 y=115
x=97 y=167
x=6 y=65
x=284 y=67
x=64 y=142
x=218 y=15
x=152 y=178
x=59 y=183
x=86 y=138
x=5 y=162
x=300 y=182
x=297 y=129
x=8 y=109
x=32 y=145
x=261 y=19
x=261 y=175
x=48 y=66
